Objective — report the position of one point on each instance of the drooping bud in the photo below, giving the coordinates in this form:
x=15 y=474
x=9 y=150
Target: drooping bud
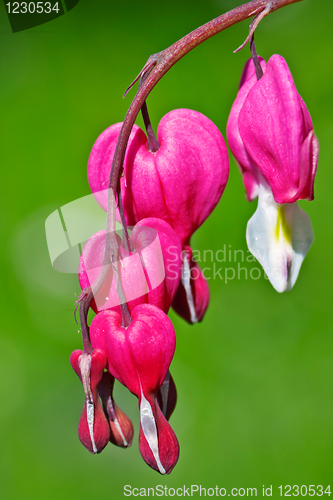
x=94 y=430
x=139 y=357
x=192 y=297
x=121 y=427
x=270 y=133
x=158 y=443
x=149 y=274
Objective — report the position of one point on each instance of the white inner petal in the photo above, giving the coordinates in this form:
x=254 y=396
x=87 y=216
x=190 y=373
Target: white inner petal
x=90 y=420
x=279 y=236
x=117 y=424
x=186 y=281
x=85 y=367
x=148 y=425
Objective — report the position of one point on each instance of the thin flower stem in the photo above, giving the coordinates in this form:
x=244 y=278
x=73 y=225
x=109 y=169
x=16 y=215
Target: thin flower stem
x=112 y=249
x=153 y=144
x=254 y=55
x=126 y=238
x=84 y=308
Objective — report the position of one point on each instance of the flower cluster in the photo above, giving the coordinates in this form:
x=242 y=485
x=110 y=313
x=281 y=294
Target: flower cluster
x=167 y=193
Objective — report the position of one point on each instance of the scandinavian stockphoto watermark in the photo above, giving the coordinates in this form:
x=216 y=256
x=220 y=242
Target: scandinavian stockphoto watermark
x=224 y=264
x=70 y=227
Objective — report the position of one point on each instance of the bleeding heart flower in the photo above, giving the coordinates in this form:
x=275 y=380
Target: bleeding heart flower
x=180 y=183
x=271 y=135
x=94 y=430
x=139 y=357
x=149 y=274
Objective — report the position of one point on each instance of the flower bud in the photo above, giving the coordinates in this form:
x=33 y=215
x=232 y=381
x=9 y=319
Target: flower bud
x=192 y=297
x=94 y=431
x=121 y=427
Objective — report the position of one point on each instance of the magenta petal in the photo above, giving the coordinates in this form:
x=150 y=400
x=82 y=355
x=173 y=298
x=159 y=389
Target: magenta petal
x=183 y=181
x=151 y=273
x=249 y=71
x=163 y=295
x=308 y=166
x=139 y=356
x=101 y=156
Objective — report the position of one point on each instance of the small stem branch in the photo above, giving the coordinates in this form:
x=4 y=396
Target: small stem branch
x=153 y=143
x=84 y=308
x=111 y=247
x=254 y=55
x=126 y=238
x=111 y=255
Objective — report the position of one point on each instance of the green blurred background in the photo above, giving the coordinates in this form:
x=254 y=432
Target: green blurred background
x=255 y=379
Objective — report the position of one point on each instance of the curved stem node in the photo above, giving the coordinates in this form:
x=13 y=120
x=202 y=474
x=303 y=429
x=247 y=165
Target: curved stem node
x=253 y=26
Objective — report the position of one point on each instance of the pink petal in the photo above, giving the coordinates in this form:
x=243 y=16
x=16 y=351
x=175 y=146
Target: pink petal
x=235 y=142
x=149 y=275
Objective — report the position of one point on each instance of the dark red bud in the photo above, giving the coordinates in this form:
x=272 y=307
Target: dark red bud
x=121 y=426
x=94 y=430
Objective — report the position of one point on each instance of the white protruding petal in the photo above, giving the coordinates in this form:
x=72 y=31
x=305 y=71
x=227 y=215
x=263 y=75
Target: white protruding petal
x=279 y=236
x=85 y=367
x=117 y=424
x=148 y=425
x=90 y=420
x=186 y=281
